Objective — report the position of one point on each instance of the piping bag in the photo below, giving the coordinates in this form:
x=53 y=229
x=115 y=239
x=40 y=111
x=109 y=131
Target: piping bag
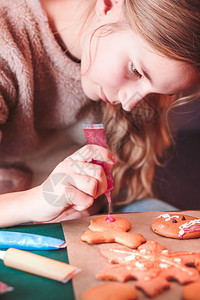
x=38 y=265
x=28 y=241
x=94 y=134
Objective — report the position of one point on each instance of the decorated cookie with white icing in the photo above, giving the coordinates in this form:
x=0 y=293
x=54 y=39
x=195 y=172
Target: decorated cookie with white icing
x=177 y=226
x=152 y=266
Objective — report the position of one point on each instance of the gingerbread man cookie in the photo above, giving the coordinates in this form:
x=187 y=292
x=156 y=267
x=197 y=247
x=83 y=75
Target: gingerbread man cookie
x=177 y=226
x=111 y=291
x=100 y=224
x=151 y=265
x=102 y=231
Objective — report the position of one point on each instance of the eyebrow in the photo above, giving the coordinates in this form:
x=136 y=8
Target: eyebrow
x=146 y=73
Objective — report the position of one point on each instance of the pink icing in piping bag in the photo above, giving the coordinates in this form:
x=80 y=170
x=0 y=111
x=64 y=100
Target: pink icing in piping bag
x=94 y=134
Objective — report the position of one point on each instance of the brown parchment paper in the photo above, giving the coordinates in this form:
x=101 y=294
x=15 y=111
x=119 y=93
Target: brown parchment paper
x=89 y=260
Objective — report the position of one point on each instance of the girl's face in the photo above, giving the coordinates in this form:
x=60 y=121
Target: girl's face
x=120 y=67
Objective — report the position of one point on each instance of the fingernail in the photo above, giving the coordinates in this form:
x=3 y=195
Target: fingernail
x=80 y=207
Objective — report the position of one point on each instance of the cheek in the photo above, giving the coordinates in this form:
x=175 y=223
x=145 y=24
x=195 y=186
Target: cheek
x=107 y=73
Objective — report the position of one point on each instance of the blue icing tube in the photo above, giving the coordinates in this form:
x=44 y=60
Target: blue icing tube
x=28 y=241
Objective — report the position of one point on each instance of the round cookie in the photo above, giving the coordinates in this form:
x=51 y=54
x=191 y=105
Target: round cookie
x=100 y=224
x=177 y=226
x=191 y=291
x=111 y=291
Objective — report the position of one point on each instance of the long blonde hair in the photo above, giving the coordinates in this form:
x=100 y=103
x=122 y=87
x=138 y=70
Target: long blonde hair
x=142 y=137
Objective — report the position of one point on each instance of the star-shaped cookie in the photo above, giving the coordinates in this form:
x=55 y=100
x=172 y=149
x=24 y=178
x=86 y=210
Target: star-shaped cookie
x=151 y=265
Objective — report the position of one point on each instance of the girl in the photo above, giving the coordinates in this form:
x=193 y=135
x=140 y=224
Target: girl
x=53 y=53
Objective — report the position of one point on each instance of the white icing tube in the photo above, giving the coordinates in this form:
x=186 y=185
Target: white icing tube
x=38 y=265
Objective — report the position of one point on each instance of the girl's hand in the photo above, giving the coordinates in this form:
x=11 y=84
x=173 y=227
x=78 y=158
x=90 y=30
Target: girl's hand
x=75 y=183
x=68 y=214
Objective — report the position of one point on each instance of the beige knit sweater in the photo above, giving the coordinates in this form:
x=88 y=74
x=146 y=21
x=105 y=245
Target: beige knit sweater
x=41 y=99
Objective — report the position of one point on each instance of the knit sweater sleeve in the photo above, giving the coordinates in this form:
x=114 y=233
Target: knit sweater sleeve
x=11 y=179
x=8 y=93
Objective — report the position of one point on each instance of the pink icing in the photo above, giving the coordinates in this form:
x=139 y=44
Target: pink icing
x=95 y=135
x=193 y=228
x=109 y=218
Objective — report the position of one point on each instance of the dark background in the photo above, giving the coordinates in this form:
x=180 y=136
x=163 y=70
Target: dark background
x=178 y=181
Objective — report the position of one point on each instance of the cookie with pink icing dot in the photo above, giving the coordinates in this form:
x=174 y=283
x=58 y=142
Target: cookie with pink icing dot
x=100 y=224
x=177 y=226
x=102 y=231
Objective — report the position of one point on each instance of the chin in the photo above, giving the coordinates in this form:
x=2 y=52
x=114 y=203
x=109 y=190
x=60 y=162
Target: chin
x=88 y=92
x=91 y=96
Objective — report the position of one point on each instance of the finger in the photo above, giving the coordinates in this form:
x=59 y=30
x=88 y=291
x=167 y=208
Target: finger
x=69 y=214
x=82 y=168
x=87 y=177
x=70 y=183
x=66 y=193
x=91 y=185
x=89 y=152
x=77 y=198
x=91 y=171
x=77 y=214
x=63 y=217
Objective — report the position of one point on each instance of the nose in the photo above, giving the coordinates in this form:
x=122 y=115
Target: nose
x=130 y=96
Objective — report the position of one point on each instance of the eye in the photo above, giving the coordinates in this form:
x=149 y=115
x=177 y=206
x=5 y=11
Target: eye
x=133 y=70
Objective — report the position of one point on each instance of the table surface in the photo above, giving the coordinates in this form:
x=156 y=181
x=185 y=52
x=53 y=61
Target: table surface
x=31 y=287
x=88 y=258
